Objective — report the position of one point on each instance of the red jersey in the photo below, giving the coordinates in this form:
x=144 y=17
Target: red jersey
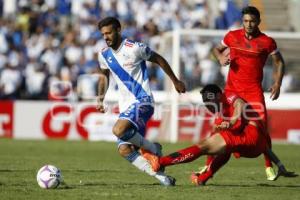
x=248 y=58
x=226 y=112
x=242 y=139
x=227 y=109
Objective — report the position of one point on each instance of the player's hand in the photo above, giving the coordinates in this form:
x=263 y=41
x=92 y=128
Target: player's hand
x=223 y=126
x=100 y=107
x=179 y=86
x=224 y=60
x=275 y=91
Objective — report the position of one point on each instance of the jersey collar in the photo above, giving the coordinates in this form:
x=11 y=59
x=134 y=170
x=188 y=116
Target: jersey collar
x=243 y=33
x=121 y=45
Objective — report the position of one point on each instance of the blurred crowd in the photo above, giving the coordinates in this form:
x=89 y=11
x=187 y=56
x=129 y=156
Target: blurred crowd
x=49 y=47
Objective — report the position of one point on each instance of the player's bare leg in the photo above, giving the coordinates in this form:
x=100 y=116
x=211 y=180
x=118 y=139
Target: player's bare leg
x=203 y=169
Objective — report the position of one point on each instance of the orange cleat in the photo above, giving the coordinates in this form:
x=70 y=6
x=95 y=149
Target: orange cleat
x=194 y=178
x=199 y=179
x=151 y=158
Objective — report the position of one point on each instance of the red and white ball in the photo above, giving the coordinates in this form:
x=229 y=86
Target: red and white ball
x=49 y=177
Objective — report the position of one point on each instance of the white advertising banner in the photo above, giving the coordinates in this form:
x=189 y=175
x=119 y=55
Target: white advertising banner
x=42 y=120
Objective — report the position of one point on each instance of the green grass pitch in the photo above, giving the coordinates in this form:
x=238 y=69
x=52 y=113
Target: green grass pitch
x=94 y=170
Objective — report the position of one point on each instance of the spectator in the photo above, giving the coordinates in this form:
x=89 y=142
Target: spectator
x=10 y=82
x=51 y=41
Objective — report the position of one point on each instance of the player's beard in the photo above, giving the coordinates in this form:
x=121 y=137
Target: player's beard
x=252 y=30
x=110 y=43
x=114 y=42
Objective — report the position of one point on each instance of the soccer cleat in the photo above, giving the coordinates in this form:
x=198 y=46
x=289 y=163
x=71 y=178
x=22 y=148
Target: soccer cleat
x=271 y=175
x=195 y=179
x=283 y=172
x=203 y=169
x=168 y=181
x=151 y=158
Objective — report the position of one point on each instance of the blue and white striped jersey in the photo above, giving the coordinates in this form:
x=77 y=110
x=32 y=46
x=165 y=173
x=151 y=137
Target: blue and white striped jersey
x=128 y=68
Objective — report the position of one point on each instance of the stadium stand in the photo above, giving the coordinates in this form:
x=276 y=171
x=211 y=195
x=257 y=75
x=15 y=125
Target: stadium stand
x=47 y=42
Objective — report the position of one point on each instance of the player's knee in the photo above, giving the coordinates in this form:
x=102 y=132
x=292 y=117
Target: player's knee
x=118 y=131
x=216 y=148
x=124 y=150
x=204 y=145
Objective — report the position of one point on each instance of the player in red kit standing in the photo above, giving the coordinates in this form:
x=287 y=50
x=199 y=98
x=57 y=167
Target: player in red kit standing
x=249 y=50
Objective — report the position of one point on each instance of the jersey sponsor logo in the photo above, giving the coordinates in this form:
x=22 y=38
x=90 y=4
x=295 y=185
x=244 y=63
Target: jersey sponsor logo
x=128 y=44
x=128 y=64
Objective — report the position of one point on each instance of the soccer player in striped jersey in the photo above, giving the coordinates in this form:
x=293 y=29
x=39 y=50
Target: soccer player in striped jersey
x=126 y=61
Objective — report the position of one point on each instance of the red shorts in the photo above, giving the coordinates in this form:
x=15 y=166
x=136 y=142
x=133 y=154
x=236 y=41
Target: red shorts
x=250 y=143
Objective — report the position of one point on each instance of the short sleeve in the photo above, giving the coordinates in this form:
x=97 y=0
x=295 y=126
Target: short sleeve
x=144 y=51
x=231 y=98
x=226 y=40
x=102 y=62
x=272 y=48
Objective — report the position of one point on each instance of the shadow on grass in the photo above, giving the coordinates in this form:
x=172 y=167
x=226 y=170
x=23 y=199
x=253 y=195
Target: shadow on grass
x=65 y=186
x=259 y=184
x=279 y=186
x=65 y=170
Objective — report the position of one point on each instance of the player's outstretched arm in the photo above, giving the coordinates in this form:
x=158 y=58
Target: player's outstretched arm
x=238 y=105
x=158 y=59
x=220 y=56
x=102 y=89
x=279 y=68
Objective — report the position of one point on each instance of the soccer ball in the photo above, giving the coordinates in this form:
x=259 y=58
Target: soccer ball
x=49 y=177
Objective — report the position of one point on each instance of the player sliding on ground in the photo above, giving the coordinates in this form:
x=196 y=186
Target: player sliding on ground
x=237 y=129
x=126 y=61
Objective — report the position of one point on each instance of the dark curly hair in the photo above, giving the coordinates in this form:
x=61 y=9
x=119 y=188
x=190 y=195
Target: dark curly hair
x=251 y=10
x=109 y=21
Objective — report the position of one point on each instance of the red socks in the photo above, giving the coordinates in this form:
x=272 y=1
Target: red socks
x=268 y=162
x=209 y=159
x=182 y=156
x=218 y=162
x=215 y=165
